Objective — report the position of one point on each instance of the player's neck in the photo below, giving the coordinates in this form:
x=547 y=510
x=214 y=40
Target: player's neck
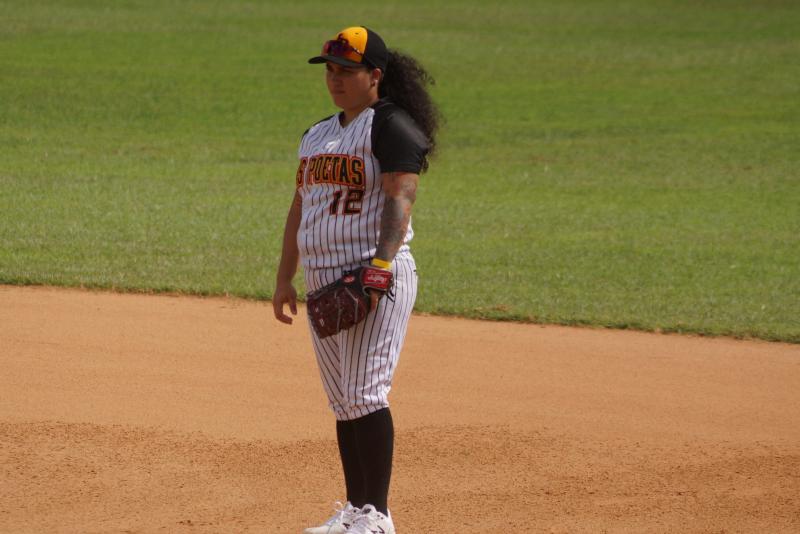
x=348 y=115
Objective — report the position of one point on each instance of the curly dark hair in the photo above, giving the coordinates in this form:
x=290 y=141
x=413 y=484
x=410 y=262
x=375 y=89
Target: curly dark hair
x=405 y=82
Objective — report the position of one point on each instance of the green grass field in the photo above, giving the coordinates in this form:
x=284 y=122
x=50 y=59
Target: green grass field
x=629 y=164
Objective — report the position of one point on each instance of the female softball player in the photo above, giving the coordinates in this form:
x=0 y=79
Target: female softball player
x=356 y=182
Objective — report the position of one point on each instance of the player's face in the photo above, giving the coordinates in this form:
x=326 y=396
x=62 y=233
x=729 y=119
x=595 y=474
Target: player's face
x=352 y=88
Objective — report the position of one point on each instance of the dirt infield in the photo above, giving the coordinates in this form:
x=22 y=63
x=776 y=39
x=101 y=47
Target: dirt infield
x=134 y=413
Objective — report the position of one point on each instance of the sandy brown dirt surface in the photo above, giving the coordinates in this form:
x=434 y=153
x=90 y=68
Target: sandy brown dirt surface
x=134 y=413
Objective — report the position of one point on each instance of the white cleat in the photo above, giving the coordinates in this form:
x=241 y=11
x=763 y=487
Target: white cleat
x=371 y=521
x=339 y=522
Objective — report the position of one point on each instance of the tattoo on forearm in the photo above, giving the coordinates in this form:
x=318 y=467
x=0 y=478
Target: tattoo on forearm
x=394 y=223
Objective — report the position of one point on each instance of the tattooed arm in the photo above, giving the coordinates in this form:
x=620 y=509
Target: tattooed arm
x=400 y=189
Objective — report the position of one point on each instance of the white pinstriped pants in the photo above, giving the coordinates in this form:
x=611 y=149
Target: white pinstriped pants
x=357 y=365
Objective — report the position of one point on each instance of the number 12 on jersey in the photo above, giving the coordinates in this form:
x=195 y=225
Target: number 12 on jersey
x=351 y=204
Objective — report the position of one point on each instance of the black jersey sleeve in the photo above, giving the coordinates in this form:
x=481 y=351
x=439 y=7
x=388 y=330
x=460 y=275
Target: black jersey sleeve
x=397 y=141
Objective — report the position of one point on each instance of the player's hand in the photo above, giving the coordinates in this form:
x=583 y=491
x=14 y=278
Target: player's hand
x=285 y=293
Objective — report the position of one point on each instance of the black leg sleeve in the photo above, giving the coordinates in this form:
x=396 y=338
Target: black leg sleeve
x=351 y=463
x=375 y=436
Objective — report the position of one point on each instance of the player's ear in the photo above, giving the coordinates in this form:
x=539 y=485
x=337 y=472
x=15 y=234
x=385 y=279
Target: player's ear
x=376 y=76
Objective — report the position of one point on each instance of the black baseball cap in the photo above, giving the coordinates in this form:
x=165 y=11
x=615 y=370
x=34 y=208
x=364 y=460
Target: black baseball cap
x=354 y=47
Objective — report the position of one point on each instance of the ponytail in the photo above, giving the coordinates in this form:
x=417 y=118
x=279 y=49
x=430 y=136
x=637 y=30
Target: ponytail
x=404 y=83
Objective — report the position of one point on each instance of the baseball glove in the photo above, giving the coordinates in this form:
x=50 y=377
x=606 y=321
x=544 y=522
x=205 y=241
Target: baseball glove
x=345 y=302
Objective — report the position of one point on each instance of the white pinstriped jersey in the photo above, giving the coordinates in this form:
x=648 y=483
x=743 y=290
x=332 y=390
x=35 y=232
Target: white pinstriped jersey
x=339 y=181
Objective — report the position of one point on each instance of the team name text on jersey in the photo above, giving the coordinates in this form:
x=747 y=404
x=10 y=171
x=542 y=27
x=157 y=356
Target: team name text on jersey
x=336 y=169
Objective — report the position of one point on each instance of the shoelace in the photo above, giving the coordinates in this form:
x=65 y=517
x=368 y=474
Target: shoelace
x=341 y=510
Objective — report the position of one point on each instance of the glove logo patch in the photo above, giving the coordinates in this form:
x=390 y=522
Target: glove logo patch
x=376 y=277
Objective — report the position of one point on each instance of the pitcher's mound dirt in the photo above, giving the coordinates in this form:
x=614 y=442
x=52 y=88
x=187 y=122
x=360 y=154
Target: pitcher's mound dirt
x=133 y=413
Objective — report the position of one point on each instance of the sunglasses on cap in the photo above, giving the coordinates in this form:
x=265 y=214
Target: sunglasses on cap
x=341 y=48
